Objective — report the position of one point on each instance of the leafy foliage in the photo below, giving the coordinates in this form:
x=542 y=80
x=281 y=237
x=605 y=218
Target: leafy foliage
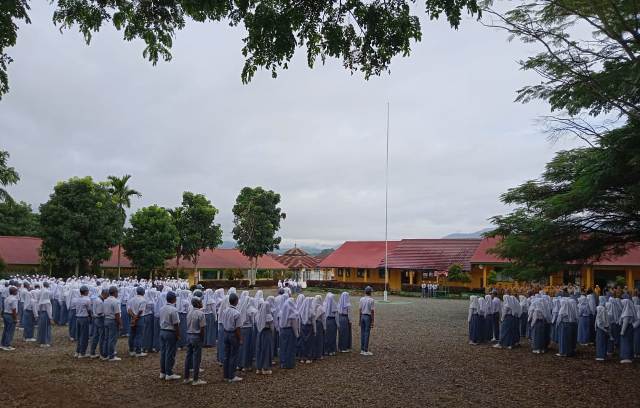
x=256 y=222
x=197 y=228
x=150 y=240
x=586 y=204
x=121 y=194
x=80 y=223
x=18 y=219
x=8 y=175
x=364 y=34
x=492 y=278
x=457 y=274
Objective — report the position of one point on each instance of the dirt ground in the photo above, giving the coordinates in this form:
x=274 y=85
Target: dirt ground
x=421 y=359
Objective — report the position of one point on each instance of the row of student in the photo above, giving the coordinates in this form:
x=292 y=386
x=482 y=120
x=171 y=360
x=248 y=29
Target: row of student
x=613 y=325
x=525 y=289
x=304 y=329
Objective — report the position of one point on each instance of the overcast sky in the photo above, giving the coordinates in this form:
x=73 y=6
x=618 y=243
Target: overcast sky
x=315 y=136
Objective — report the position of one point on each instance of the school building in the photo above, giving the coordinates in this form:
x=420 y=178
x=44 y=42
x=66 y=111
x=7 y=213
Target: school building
x=302 y=265
x=409 y=261
x=22 y=255
x=602 y=272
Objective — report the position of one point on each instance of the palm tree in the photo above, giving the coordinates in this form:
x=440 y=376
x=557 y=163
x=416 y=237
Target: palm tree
x=8 y=176
x=122 y=195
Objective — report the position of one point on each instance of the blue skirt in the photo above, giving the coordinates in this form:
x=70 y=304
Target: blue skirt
x=211 y=330
x=475 y=329
x=568 y=338
x=344 y=333
x=330 y=336
x=636 y=342
x=602 y=340
x=317 y=344
x=63 y=318
x=287 y=348
x=584 y=332
x=44 y=328
x=626 y=344
x=614 y=339
x=507 y=330
x=156 y=333
x=305 y=344
x=524 y=326
x=538 y=341
x=264 y=349
x=245 y=357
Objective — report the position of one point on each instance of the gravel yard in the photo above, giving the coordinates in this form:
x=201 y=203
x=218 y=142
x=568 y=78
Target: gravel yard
x=421 y=358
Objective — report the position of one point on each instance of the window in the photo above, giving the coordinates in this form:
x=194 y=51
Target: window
x=210 y=274
x=381 y=273
x=347 y=272
x=362 y=273
x=339 y=272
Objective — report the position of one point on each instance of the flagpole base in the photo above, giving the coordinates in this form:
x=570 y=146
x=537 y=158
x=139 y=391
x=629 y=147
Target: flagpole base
x=385 y=295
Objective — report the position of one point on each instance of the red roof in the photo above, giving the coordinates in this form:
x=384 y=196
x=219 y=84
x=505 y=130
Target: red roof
x=435 y=254
x=481 y=255
x=357 y=254
x=220 y=258
x=20 y=250
x=296 y=258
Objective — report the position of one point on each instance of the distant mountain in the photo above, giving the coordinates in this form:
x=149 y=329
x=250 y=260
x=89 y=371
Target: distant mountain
x=466 y=235
x=311 y=250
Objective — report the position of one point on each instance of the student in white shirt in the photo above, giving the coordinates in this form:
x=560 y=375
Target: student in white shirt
x=10 y=318
x=367 y=318
x=231 y=323
x=83 y=314
x=112 y=323
x=135 y=308
x=196 y=326
x=169 y=335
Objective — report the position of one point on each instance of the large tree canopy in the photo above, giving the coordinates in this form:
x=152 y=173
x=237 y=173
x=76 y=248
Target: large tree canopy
x=80 y=223
x=197 y=226
x=8 y=175
x=586 y=204
x=364 y=34
x=18 y=219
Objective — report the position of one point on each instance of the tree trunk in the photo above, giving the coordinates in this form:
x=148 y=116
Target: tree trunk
x=119 y=247
x=77 y=269
x=178 y=266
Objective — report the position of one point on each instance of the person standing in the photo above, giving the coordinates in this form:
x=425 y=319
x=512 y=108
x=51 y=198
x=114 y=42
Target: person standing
x=424 y=289
x=264 y=342
x=83 y=314
x=231 y=324
x=196 y=327
x=344 y=323
x=28 y=314
x=136 y=308
x=331 y=325
x=10 y=318
x=98 y=324
x=367 y=319
x=45 y=316
x=112 y=323
x=169 y=335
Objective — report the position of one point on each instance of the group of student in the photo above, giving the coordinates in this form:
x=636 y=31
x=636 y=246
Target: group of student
x=429 y=289
x=249 y=332
x=611 y=322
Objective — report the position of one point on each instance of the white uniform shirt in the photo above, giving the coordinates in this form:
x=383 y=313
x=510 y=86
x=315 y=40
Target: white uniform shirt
x=111 y=307
x=83 y=306
x=230 y=318
x=169 y=317
x=367 y=305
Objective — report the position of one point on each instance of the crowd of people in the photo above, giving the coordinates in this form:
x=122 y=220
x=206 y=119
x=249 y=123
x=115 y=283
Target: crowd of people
x=608 y=319
x=248 y=332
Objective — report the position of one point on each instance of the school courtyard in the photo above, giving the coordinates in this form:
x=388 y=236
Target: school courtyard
x=421 y=358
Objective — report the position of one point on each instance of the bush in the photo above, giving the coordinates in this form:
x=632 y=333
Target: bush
x=329 y=284
x=457 y=274
x=621 y=281
x=492 y=278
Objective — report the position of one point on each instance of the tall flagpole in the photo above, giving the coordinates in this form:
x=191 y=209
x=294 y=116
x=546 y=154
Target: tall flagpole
x=386 y=213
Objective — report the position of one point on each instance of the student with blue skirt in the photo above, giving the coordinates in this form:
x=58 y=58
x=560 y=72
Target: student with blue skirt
x=636 y=333
x=247 y=313
x=319 y=328
x=304 y=334
x=345 y=337
x=289 y=323
x=524 y=316
x=584 y=321
x=10 y=319
x=614 y=310
x=304 y=343
x=568 y=327
x=537 y=321
x=330 y=324
x=45 y=316
x=627 y=319
x=209 y=309
x=184 y=304
x=125 y=293
x=264 y=342
x=220 y=340
x=473 y=319
x=602 y=333
x=147 y=317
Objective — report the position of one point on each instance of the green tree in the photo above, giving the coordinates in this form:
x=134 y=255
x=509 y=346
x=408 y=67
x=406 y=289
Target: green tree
x=18 y=219
x=457 y=274
x=365 y=35
x=256 y=219
x=586 y=204
x=80 y=224
x=179 y=221
x=8 y=175
x=122 y=196
x=198 y=229
x=150 y=240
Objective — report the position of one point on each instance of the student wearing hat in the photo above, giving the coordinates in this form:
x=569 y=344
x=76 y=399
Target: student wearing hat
x=231 y=324
x=83 y=314
x=367 y=319
x=10 y=318
x=112 y=323
x=169 y=335
x=196 y=327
